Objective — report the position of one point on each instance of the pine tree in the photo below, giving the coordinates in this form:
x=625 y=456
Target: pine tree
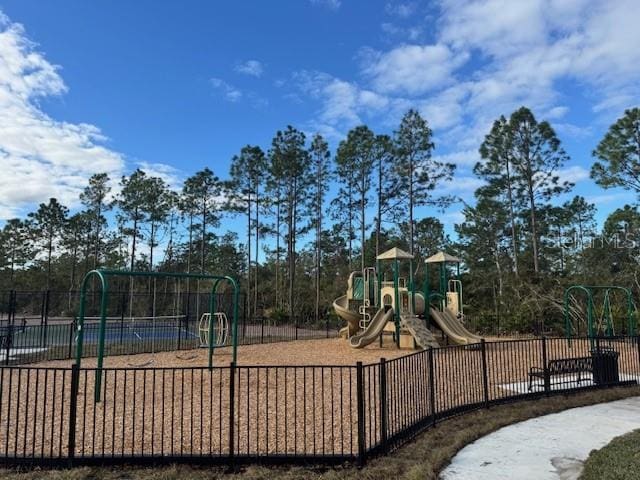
x=17 y=247
x=321 y=166
x=388 y=198
x=247 y=174
x=497 y=170
x=94 y=197
x=47 y=226
x=418 y=172
x=203 y=190
x=131 y=202
x=156 y=208
x=292 y=165
x=619 y=154
x=355 y=155
x=536 y=157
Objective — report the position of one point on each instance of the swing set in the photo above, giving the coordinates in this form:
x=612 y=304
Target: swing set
x=211 y=335
x=600 y=321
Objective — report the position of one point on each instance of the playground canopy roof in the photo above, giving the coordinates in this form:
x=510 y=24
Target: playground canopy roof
x=394 y=254
x=442 y=257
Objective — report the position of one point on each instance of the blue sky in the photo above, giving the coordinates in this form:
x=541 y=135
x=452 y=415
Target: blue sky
x=176 y=86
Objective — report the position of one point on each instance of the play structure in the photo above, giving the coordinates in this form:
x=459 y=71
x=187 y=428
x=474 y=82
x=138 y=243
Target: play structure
x=598 y=318
x=374 y=306
x=211 y=335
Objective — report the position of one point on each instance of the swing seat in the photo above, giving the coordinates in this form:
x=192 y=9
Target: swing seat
x=221 y=329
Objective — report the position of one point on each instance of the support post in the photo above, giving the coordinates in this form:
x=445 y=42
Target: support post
x=485 y=373
x=360 y=402
x=397 y=301
x=545 y=367
x=73 y=412
x=232 y=414
x=427 y=293
x=46 y=318
x=432 y=388
x=383 y=405
x=412 y=289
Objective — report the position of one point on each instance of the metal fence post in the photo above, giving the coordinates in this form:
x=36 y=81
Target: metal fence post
x=73 y=411
x=432 y=387
x=545 y=367
x=11 y=320
x=13 y=306
x=232 y=404
x=485 y=373
x=360 y=405
x=47 y=301
x=383 y=404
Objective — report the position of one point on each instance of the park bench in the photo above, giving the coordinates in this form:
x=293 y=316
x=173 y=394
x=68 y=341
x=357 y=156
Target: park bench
x=562 y=366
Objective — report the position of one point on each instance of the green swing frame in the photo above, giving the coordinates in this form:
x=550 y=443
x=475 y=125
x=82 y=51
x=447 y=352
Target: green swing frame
x=103 y=275
x=588 y=291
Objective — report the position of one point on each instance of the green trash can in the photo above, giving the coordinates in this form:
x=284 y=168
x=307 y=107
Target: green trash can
x=605 y=365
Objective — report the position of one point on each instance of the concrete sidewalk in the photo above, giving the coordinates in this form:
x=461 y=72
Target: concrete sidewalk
x=550 y=447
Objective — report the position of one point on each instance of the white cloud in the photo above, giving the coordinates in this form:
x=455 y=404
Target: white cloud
x=331 y=4
x=411 y=69
x=462 y=186
x=573 y=131
x=619 y=198
x=343 y=104
x=250 y=67
x=573 y=174
x=402 y=9
x=462 y=158
x=41 y=157
x=228 y=91
x=171 y=175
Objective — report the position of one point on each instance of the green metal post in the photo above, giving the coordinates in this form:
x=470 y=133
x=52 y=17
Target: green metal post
x=632 y=329
x=460 y=284
x=212 y=309
x=412 y=290
x=427 y=293
x=103 y=324
x=234 y=339
x=397 y=301
x=103 y=318
x=379 y=279
x=567 y=323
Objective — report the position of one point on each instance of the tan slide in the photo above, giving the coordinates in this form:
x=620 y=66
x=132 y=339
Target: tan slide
x=341 y=307
x=460 y=328
x=373 y=330
x=452 y=328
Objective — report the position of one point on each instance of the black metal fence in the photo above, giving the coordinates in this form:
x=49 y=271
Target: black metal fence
x=41 y=325
x=321 y=414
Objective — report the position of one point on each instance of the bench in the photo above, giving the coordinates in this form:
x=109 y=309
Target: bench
x=562 y=366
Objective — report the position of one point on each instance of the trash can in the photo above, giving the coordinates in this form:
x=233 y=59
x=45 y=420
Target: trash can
x=605 y=365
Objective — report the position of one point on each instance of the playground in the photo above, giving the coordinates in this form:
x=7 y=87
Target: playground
x=399 y=365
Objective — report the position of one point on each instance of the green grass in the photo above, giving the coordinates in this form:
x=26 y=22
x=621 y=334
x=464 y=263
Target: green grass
x=421 y=459
x=619 y=460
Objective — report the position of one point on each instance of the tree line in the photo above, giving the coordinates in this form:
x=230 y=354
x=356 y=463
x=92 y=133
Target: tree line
x=520 y=246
